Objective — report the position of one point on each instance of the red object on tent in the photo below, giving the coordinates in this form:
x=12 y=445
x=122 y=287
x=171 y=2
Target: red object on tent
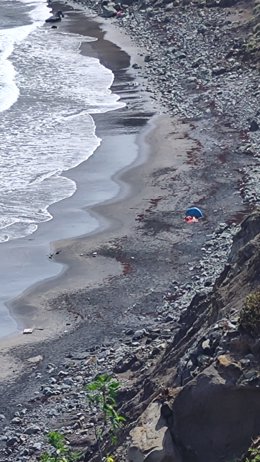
x=189 y=219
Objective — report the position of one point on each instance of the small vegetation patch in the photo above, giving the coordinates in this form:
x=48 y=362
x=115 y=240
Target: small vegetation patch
x=254 y=455
x=59 y=451
x=102 y=395
x=250 y=314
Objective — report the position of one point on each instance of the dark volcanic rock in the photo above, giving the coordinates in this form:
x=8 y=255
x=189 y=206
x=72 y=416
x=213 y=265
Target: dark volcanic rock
x=254 y=126
x=125 y=364
x=213 y=419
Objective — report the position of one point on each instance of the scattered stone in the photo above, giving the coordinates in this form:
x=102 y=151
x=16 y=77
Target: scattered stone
x=139 y=334
x=32 y=430
x=254 y=126
x=35 y=359
x=206 y=344
x=16 y=420
x=148 y=58
x=14 y=440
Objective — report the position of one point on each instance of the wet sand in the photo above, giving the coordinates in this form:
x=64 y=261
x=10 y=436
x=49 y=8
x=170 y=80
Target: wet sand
x=109 y=176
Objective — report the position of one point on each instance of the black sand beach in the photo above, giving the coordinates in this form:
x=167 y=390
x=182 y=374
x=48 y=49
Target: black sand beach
x=143 y=264
x=95 y=178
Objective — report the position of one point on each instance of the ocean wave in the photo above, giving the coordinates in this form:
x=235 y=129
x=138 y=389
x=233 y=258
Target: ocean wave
x=39 y=12
x=9 y=38
x=9 y=91
x=50 y=129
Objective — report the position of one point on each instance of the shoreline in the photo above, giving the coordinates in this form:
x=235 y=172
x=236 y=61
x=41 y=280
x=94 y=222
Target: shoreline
x=29 y=308
x=95 y=222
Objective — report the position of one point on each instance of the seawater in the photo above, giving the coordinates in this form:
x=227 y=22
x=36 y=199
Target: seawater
x=48 y=91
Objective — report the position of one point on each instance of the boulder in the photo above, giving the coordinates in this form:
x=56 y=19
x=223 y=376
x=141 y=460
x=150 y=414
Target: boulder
x=35 y=359
x=213 y=419
x=108 y=11
x=254 y=126
x=33 y=429
x=125 y=364
x=151 y=440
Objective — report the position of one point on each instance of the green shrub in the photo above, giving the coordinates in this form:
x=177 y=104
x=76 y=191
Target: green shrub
x=102 y=395
x=250 y=314
x=254 y=455
x=59 y=450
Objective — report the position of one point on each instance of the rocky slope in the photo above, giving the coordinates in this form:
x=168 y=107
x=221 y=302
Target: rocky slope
x=208 y=380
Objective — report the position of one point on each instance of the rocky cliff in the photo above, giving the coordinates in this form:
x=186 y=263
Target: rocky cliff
x=202 y=400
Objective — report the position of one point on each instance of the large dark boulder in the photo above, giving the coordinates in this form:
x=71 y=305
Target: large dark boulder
x=214 y=420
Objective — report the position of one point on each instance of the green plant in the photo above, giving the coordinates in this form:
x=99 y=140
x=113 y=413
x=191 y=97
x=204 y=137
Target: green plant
x=102 y=394
x=60 y=451
x=250 y=314
x=254 y=455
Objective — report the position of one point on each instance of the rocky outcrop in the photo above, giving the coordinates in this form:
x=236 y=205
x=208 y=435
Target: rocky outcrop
x=151 y=439
x=213 y=419
x=249 y=230
x=216 y=413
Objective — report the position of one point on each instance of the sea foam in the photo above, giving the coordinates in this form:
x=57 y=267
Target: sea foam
x=9 y=38
x=49 y=130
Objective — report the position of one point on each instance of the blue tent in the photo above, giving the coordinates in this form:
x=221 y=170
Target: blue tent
x=194 y=212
